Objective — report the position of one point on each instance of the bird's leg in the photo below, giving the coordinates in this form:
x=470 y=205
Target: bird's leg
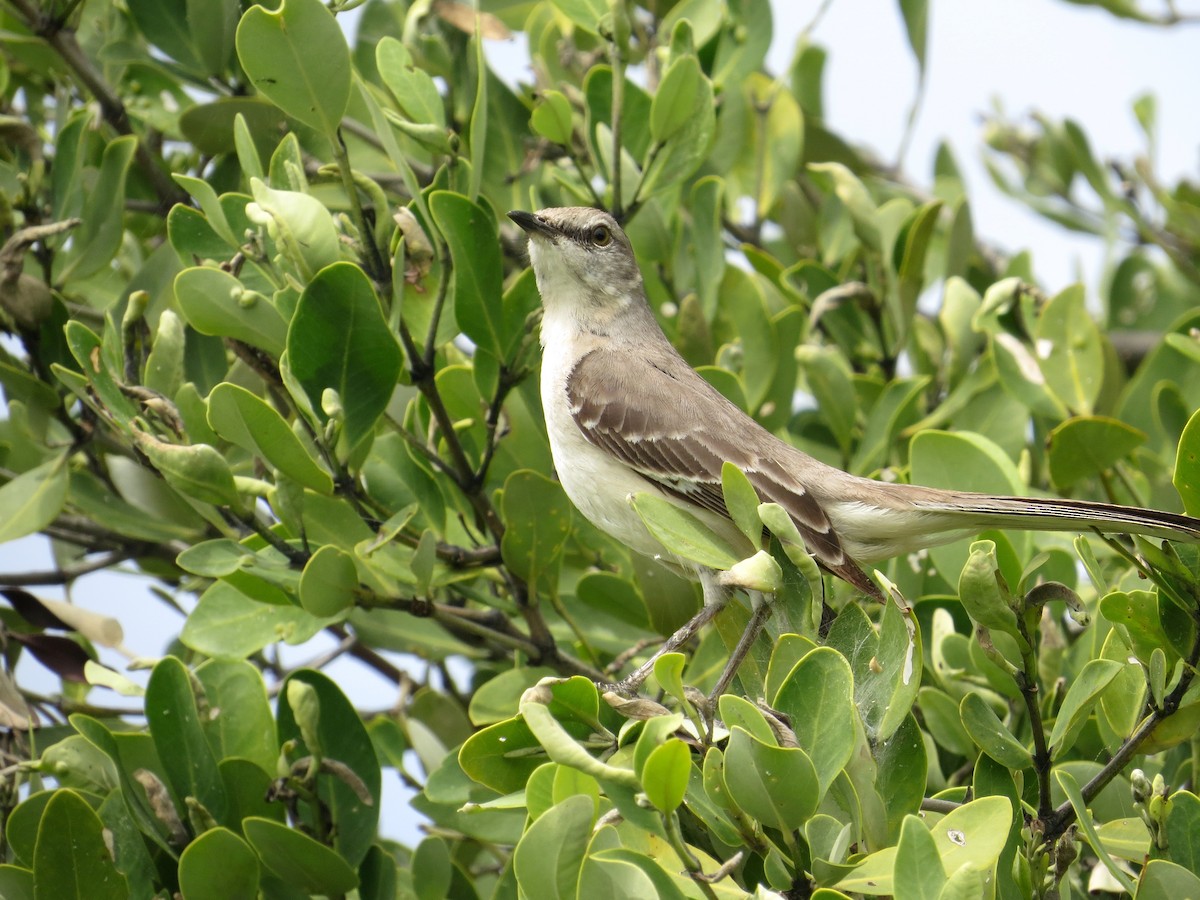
x=631 y=682
x=758 y=620
x=715 y=598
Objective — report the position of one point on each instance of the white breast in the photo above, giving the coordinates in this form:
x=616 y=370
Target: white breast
x=598 y=485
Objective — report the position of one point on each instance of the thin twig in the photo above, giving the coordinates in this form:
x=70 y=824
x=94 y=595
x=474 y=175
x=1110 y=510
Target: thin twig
x=66 y=574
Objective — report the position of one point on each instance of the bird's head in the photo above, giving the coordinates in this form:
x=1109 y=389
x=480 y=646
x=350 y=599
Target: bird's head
x=582 y=259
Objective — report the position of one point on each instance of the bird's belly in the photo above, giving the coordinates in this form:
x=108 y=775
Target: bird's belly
x=599 y=486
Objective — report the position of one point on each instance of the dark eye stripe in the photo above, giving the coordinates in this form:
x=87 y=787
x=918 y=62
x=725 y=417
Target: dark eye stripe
x=587 y=235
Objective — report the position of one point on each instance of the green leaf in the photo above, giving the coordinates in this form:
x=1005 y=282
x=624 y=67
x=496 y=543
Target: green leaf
x=71 y=860
x=502 y=756
x=1187 y=466
x=895 y=408
x=297 y=859
x=248 y=421
x=778 y=786
x=901 y=766
x=943 y=722
x=100 y=235
x=742 y=502
x=329 y=584
x=432 y=869
x=1082 y=695
x=212 y=28
x=708 y=249
x=743 y=298
x=665 y=775
x=760 y=572
x=33 y=499
x=339 y=340
x=301 y=227
x=213 y=128
x=1123 y=701
x=1126 y=838
x=497 y=698
x=891 y=694
x=621 y=872
x=742 y=48
x=789 y=649
x=128 y=753
x=676 y=98
x=918 y=871
x=829 y=377
x=992 y=735
x=552 y=119
x=229 y=625
x=972 y=837
x=682 y=533
x=739 y=711
x=245 y=146
x=16 y=883
x=584 y=13
x=537 y=518
x=344 y=738
x=174 y=722
x=854 y=196
x=781 y=133
x=164 y=364
x=240 y=723
x=471 y=237
x=1020 y=375
x=1083 y=816
x=818 y=698
x=276 y=50
x=963 y=461
x=1089 y=445
x=218 y=865
x=1070 y=354
x=912 y=246
x=668 y=672
x=196 y=470
x=1164 y=880
x=982 y=592
x=478 y=133
x=165 y=25
x=216 y=303
x=412 y=87
x=886 y=666
x=916 y=26
x=549 y=857
x=669 y=163
x=1183 y=829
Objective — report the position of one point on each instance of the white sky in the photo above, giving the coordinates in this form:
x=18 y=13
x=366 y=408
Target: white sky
x=1061 y=59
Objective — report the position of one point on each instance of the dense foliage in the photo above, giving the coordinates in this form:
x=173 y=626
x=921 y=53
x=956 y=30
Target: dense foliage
x=271 y=341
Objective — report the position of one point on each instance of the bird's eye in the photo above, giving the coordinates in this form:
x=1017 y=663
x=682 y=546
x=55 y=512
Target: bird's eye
x=601 y=236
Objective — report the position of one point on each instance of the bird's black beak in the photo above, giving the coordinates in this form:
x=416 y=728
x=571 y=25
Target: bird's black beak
x=532 y=223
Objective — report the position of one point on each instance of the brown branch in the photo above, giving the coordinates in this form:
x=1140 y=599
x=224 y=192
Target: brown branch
x=1064 y=815
x=68 y=574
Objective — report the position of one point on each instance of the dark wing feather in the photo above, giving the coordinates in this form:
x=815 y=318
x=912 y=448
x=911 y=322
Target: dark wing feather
x=668 y=424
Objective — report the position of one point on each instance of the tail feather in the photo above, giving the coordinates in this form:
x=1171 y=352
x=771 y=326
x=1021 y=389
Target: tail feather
x=1067 y=515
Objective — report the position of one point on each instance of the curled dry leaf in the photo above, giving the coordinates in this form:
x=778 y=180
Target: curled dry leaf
x=462 y=17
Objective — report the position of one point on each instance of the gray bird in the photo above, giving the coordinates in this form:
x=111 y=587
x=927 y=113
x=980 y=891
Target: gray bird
x=625 y=414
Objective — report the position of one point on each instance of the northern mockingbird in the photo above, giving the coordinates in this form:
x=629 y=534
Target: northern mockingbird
x=625 y=413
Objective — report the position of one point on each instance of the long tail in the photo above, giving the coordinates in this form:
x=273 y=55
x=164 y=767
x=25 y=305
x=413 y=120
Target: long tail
x=1065 y=515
